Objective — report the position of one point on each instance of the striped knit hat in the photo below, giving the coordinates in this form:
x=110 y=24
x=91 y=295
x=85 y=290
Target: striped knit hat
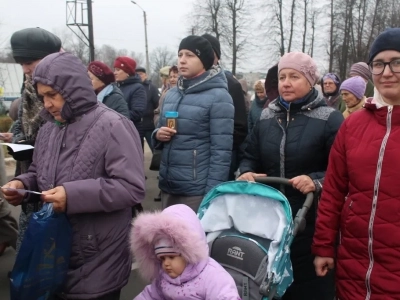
x=164 y=246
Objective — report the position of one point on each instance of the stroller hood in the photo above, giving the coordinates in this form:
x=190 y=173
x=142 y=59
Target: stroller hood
x=180 y=224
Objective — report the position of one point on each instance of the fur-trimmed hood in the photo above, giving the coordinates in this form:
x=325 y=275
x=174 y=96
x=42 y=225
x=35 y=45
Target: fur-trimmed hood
x=180 y=224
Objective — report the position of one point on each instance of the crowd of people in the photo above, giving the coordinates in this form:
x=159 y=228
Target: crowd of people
x=88 y=124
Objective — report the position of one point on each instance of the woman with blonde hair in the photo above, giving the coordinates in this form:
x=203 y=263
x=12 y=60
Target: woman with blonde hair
x=260 y=98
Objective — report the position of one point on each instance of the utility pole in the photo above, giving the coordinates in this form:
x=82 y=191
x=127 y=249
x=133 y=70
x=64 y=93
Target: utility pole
x=147 y=45
x=145 y=37
x=90 y=25
x=76 y=17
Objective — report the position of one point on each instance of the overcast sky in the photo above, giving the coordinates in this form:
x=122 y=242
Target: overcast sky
x=116 y=22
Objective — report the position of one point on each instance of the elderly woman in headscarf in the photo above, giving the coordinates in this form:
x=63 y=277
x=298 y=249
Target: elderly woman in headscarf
x=88 y=163
x=330 y=85
x=292 y=140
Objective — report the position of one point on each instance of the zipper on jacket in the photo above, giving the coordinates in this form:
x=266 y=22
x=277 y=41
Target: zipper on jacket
x=375 y=202
x=287 y=116
x=194 y=164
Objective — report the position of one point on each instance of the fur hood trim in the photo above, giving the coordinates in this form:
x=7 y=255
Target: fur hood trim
x=178 y=223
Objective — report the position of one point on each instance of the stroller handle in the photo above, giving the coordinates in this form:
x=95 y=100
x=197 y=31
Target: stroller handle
x=299 y=221
x=266 y=289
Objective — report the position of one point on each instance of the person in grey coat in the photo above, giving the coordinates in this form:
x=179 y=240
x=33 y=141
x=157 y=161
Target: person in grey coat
x=88 y=163
x=197 y=151
x=107 y=93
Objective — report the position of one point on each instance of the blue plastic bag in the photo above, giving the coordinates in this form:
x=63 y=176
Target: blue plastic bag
x=42 y=262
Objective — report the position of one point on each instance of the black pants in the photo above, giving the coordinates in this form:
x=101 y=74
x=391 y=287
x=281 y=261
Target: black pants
x=112 y=296
x=307 y=285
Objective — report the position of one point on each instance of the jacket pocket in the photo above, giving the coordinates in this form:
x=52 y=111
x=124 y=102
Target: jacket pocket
x=89 y=247
x=194 y=164
x=347 y=208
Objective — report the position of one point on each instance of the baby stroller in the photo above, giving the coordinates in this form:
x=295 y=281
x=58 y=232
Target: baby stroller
x=249 y=230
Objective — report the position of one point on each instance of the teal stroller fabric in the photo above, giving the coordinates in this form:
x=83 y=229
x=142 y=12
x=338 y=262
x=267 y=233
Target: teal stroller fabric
x=253 y=209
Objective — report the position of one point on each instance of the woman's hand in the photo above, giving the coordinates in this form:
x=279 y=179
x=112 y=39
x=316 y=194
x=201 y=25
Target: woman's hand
x=13 y=197
x=164 y=134
x=250 y=176
x=58 y=197
x=303 y=183
x=6 y=137
x=323 y=265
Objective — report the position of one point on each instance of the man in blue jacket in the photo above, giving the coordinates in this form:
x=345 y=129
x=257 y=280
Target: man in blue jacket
x=197 y=150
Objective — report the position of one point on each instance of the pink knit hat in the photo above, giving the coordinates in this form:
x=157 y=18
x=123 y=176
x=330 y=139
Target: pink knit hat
x=164 y=246
x=302 y=63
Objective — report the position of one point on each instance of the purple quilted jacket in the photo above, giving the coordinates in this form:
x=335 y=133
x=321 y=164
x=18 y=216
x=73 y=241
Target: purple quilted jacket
x=96 y=155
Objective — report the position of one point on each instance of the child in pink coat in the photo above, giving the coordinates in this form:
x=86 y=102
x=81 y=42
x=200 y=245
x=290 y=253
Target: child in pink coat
x=171 y=250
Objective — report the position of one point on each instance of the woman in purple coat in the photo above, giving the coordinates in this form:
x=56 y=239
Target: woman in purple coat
x=88 y=162
x=171 y=250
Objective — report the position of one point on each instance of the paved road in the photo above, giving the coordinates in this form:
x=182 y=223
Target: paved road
x=135 y=284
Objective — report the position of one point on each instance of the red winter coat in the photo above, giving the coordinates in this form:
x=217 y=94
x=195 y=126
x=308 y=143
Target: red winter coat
x=364 y=165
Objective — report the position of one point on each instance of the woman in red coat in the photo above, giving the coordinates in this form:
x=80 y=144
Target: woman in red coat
x=360 y=203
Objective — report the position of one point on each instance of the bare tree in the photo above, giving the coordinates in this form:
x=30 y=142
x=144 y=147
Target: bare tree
x=292 y=16
x=160 y=57
x=237 y=37
x=207 y=17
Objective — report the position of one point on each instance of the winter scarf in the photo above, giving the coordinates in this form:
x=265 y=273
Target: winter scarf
x=31 y=108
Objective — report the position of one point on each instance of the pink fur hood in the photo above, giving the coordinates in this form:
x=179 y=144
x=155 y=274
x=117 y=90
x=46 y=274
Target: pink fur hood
x=180 y=224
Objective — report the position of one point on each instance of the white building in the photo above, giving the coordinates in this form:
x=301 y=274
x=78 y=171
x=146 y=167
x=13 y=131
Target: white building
x=11 y=79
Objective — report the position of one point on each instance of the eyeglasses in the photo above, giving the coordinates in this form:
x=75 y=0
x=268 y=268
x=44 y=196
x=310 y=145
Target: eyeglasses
x=378 y=67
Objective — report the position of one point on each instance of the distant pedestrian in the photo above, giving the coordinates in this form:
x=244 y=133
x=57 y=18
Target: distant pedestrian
x=352 y=91
x=131 y=86
x=260 y=98
x=107 y=93
x=153 y=96
x=330 y=85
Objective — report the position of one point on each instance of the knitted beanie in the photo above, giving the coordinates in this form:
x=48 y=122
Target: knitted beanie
x=201 y=48
x=387 y=40
x=355 y=85
x=361 y=69
x=164 y=246
x=302 y=63
x=214 y=43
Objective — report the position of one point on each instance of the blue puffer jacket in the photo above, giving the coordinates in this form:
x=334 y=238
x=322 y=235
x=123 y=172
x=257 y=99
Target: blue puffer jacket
x=198 y=157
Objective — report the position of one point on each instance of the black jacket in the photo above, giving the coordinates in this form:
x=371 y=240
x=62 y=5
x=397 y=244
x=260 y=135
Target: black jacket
x=288 y=142
x=135 y=96
x=153 y=97
x=116 y=101
x=292 y=142
x=240 y=119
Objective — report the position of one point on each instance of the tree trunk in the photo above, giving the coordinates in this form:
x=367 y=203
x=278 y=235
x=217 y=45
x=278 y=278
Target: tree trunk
x=292 y=11
x=280 y=16
x=331 y=42
x=303 y=48
x=234 y=35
